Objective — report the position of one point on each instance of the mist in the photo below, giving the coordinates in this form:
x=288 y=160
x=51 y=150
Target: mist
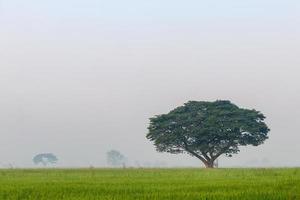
x=78 y=79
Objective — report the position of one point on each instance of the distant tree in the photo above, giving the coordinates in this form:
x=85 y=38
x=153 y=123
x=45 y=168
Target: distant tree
x=207 y=130
x=6 y=165
x=115 y=158
x=45 y=159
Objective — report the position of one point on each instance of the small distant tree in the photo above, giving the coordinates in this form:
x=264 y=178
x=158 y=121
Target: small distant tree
x=115 y=158
x=45 y=159
x=207 y=130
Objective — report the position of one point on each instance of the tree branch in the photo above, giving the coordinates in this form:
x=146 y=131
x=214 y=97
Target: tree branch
x=206 y=156
x=221 y=152
x=196 y=155
x=193 y=153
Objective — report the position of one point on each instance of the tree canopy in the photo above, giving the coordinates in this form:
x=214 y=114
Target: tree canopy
x=207 y=130
x=45 y=159
x=115 y=158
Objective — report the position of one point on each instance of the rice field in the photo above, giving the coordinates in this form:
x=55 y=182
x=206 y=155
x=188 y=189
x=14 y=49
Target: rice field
x=171 y=184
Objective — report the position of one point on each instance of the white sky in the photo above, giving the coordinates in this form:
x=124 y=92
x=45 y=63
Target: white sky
x=78 y=78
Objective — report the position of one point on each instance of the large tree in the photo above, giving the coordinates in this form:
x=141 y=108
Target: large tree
x=207 y=130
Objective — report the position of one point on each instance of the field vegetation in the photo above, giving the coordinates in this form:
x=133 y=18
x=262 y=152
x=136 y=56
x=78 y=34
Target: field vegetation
x=171 y=184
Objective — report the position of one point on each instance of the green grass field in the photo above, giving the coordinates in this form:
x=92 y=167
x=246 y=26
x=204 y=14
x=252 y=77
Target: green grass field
x=172 y=184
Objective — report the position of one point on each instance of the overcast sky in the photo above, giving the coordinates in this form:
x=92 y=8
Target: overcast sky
x=78 y=78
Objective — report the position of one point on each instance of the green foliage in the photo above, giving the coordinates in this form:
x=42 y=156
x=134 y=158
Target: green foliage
x=45 y=159
x=115 y=158
x=207 y=130
x=150 y=184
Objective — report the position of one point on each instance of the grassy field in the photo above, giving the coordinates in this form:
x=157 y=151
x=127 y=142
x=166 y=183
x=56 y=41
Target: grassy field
x=172 y=184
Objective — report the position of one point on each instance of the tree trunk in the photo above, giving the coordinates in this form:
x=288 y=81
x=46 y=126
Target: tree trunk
x=209 y=164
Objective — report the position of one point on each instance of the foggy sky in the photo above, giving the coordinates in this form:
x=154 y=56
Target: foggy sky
x=79 y=78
